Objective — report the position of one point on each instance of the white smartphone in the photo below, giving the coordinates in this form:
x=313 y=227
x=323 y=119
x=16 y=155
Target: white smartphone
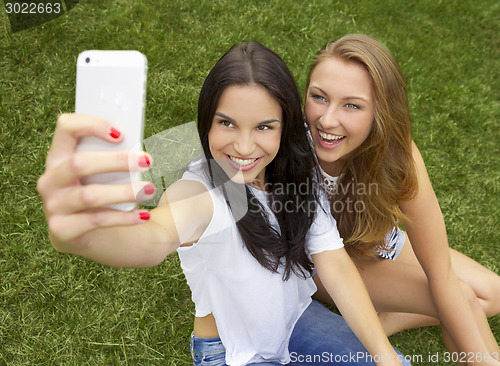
x=112 y=85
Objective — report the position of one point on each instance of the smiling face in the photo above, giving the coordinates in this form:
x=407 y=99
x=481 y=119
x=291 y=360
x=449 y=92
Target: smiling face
x=245 y=133
x=339 y=110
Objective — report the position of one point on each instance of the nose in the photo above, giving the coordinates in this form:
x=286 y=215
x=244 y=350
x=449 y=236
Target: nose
x=330 y=118
x=244 y=145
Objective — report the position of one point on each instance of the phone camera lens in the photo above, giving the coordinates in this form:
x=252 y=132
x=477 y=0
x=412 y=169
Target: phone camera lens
x=87 y=60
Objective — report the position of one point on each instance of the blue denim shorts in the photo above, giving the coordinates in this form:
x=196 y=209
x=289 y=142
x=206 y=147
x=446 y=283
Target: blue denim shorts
x=318 y=330
x=211 y=352
x=208 y=351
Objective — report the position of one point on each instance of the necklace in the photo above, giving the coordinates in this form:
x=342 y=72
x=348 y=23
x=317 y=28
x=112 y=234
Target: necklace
x=329 y=183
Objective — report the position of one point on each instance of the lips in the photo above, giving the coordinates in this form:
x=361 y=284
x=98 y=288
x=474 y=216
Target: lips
x=242 y=164
x=329 y=140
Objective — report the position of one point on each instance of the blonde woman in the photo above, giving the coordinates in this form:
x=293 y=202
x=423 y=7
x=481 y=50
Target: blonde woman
x=357 y=111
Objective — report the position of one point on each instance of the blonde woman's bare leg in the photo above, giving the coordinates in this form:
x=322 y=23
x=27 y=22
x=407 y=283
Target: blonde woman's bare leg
x=397 y=322
x=400 y=286
x=485 y=283
x=480 y=285
x=394 y=287
x=397 y=287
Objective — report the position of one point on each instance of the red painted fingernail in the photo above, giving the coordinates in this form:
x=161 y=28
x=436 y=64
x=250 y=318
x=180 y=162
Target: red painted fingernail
x=114 y=133
x=149 y=189
x=144 y=161
x=144 y=215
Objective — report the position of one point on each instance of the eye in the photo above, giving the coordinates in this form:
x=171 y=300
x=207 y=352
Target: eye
x=264 y=128
x=318 y=97
x=225 y=123
x=352 y=106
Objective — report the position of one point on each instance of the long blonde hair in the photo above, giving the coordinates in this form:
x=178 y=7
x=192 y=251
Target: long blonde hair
x=384 y=160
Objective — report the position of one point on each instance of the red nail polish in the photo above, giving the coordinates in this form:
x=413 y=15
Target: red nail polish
x=114 y=133
x=149 y=189
x=144 y=215
x=144 y=161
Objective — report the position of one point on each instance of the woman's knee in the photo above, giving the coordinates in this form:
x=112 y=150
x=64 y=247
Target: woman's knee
x=488 y=295
x=472 y=298
x=491 y=303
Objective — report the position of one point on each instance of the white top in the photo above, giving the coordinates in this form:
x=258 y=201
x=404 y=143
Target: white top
x=254 y=309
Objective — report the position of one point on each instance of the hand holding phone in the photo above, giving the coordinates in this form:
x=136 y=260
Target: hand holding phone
x=112 y=85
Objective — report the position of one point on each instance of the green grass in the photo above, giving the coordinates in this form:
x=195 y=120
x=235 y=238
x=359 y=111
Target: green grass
x=58 y=309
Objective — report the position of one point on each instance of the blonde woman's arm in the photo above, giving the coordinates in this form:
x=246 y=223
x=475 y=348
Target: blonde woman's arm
x=341 y=279
x=464 y=322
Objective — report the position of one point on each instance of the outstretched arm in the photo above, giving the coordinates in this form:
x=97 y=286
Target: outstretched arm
x=341 y=279
x=77 y=218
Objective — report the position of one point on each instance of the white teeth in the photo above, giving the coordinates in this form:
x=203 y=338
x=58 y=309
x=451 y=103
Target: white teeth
x=242 y=162
x=327 y=136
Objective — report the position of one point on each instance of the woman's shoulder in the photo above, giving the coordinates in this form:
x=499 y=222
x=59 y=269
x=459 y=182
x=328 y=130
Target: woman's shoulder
x=187 y=188
x=418 y=160
x=423 y=188
x=191 y=206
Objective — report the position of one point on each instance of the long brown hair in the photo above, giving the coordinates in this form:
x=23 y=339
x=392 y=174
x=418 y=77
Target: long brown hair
x=251 y=63
x=384 y=160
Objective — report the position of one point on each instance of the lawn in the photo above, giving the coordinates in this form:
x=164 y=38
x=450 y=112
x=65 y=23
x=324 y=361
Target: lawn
x=58 y=309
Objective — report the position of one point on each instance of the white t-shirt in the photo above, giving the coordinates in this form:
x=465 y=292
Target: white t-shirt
x=254 y=309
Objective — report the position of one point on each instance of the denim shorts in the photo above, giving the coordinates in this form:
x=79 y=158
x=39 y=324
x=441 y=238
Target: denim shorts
x=208 y=351
x=318 y=330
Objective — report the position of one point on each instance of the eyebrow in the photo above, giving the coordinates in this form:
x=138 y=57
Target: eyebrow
x=344 y=98
x=232 y=120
